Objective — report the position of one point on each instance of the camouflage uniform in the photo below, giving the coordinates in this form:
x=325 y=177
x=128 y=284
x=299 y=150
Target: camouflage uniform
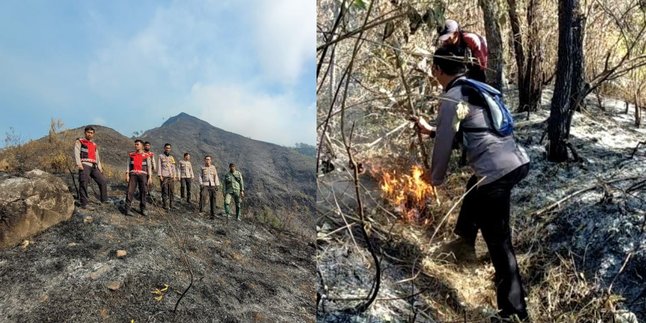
x=233 y=186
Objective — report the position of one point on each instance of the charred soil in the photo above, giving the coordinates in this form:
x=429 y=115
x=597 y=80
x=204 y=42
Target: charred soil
x=243 y=270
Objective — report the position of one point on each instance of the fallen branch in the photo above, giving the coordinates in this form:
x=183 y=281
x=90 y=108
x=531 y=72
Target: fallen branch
x=637 y=147
x=630 y=254
x=558 y=203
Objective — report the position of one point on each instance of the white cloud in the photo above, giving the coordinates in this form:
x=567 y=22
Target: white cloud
x=285 y=37
x=187 y=51
x=243 y=110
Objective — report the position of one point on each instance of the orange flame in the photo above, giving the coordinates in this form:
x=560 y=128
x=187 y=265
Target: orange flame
x=406 y=191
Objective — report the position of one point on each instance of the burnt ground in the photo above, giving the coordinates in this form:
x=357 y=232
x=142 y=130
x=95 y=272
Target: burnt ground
x=579 y=235
x=243 y=271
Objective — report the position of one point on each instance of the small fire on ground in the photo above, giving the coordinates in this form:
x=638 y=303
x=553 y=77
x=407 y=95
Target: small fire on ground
x=408 y=193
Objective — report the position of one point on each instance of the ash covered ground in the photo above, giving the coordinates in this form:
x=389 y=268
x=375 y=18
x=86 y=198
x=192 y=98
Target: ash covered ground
x=582 y=259
x=243 y=271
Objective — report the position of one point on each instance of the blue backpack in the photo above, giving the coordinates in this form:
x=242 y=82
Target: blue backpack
x=500 y=119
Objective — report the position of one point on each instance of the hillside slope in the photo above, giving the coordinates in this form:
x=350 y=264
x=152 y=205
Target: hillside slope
x=275 y=176
x=243 y=271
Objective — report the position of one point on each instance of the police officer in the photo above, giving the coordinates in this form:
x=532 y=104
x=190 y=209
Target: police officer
x=498 y=164
x=209 y=182
x=167 y=172
x=139 y=163
x=186 y=176
x=153 y=168
x=233 y=189
x=88 y=162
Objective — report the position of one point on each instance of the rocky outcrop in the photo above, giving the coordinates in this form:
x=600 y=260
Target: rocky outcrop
x=30 y=204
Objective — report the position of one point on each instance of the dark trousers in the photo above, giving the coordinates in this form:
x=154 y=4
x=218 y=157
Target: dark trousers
x=487 y=208
x=84 y=177
x=137 y=180
x=186 y=186
x=148 y=189
x=210 y=190
x=167 y=191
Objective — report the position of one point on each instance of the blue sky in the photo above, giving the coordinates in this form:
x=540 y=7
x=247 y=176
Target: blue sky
x=246 y=66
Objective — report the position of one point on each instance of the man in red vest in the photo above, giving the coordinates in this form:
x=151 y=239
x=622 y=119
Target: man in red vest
x=470 y=45
x=86 y=155
x=139 y=164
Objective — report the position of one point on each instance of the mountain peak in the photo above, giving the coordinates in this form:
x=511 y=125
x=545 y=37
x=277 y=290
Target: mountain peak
x=183 y=116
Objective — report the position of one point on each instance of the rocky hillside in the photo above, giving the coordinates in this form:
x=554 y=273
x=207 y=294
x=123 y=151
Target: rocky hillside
x=55 y=153
x=275 y=176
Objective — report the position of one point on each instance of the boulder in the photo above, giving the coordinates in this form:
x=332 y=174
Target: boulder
x=30 y=204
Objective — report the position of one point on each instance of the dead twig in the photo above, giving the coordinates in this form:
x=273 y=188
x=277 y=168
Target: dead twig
x=355 y=172
x=387 y=134
x=630 y=254
x=420 y=143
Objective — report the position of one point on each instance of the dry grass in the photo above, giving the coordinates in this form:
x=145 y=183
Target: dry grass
x=557 y=291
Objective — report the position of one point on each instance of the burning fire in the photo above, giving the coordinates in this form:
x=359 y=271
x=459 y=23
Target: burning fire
x=407 y=192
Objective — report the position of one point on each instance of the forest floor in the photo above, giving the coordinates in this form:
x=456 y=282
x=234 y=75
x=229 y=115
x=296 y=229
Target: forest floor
x=579 y=233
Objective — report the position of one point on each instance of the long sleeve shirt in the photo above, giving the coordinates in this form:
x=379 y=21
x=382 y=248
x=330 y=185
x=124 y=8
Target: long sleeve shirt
x=185 y=169
x=166 y=166
x=209 y=176
x=153 y=162
x=488 y=155
x=77 y=156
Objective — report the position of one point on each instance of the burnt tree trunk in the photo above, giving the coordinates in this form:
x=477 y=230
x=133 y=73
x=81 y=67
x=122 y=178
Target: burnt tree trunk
x=559 y=110
x=491 y=11
x=534 y=73
x=627 y=105
x=519 y=51
x=579 y=86
x=530 y=74
x=637 y=109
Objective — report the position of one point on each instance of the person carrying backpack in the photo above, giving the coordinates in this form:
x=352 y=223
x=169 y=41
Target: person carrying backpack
x=471 y=46
x=470 y=108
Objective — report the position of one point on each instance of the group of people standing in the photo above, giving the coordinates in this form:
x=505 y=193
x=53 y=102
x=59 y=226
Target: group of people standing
x=141 y=167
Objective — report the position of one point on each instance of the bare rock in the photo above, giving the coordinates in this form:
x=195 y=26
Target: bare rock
x=99 y=272
x=121 y=253
x=114 y=285
x=31 y=204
